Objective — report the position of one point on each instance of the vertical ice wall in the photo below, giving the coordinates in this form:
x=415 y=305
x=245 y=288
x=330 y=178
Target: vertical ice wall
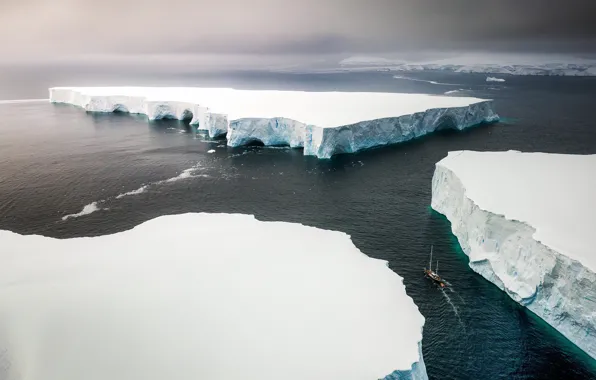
x=326 y=142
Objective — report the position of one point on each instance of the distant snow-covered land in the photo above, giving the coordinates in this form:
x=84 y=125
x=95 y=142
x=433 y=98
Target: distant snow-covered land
x=323 y=123
x=286 y=301
x=488 y=63
x=526 y=222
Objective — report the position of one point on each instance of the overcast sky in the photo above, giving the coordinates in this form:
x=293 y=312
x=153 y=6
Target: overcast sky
x=38 y=30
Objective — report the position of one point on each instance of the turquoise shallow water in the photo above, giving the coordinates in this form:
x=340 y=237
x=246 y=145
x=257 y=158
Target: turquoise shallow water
x=56 y=159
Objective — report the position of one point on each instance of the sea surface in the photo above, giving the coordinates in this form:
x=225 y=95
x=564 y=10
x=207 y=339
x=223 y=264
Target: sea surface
x=66 y=173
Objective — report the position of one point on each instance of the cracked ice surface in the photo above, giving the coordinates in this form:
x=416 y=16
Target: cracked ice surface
x=149 y=303
x=526 y=222
x=323 y=123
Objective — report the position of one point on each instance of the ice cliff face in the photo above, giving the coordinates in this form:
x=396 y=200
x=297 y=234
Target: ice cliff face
x=269 y=132
x=326 y=142
x=558 y=288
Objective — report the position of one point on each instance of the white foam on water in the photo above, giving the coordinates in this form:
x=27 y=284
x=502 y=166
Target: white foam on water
x=455 y=309
x=211 y=151
x=138 y=191
x=186 y=173
x=242 y=154
x=88 y=209
x=450 y=288
x=93 y=206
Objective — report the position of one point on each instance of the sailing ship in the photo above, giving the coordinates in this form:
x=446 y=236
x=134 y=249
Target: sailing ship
x=434 y=275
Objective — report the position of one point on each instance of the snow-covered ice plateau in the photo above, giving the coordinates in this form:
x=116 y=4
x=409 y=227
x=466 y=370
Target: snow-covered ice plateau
x=526 y=222
x=323 y=123
x=149 y=303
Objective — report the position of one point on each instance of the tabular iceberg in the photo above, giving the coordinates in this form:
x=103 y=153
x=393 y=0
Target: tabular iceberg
x=525 y=220
x=323 y=123
x=149 y=303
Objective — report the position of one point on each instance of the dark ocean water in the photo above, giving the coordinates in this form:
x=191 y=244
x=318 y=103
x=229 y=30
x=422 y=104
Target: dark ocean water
x=56 y=159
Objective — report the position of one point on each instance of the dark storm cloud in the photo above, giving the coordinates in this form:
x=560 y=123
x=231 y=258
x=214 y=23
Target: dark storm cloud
x=47 y=29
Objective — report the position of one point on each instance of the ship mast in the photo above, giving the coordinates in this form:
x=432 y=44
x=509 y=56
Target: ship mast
x=437 y=267
x=430 y=262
